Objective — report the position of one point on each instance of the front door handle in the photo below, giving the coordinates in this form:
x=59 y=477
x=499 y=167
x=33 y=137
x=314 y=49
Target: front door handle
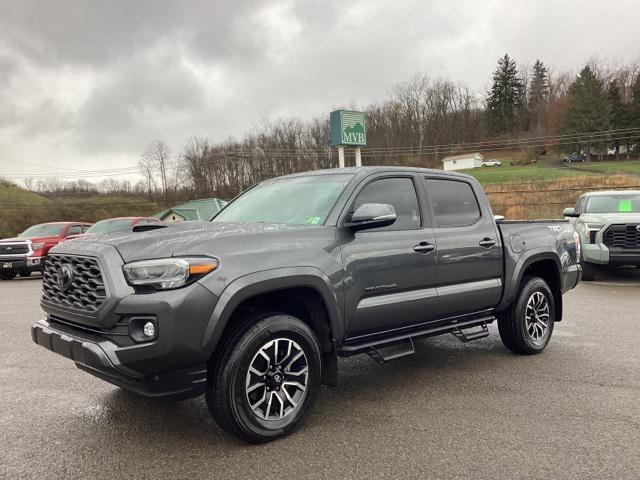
x=424 y=247
x=487 y=242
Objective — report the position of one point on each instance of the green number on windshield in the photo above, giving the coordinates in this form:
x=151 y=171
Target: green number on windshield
x=625 y=206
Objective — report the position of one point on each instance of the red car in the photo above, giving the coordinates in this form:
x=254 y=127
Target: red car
x=25 y=253
x=119 y=224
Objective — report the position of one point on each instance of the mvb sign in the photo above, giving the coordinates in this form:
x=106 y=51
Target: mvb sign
x=348 y=128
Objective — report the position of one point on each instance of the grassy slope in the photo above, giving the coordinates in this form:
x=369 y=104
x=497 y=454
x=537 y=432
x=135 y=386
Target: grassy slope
x=546 y=188
x=543 y=172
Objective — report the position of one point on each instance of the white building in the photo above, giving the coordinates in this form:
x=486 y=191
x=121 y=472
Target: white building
x=460 y=162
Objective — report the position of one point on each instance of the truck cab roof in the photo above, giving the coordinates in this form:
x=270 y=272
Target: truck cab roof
x=365 y=171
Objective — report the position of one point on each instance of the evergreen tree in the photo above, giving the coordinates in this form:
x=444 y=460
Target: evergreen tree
x=539 y=90
x=618 y=111
x=539 y=95
x=588 y=109
x=633 y=113
x=505 y=98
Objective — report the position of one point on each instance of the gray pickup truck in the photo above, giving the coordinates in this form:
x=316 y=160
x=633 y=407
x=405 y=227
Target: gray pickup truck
x=254 y=308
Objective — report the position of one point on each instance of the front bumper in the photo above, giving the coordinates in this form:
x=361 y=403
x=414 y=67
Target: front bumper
x=32 y=264
x=624 y=257
x=99 y=359
x=600 y=254
x=595 y=253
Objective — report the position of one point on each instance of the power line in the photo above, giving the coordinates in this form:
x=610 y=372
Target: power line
x=78 y=204
x=79 y=170
x=370 y=152
x=563 y=190
x=584 y=136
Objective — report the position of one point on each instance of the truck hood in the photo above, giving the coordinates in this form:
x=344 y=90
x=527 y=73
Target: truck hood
x=33 y=239
x=199 y=238
x=609 y=218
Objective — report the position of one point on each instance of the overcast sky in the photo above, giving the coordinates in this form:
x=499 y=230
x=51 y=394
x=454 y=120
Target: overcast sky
x=88 y=84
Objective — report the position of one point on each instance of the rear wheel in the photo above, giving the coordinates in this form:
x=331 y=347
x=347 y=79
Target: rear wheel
x=8 y=274
x=266 y=378
x=25 y=272
x=526 y=326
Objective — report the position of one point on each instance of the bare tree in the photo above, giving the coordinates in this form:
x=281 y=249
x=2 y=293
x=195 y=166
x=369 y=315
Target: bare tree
x=156 y=159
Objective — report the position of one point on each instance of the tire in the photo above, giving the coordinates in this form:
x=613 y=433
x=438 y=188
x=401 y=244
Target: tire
x=517 y=332
x=25 y=273
x=230 y=396
x=8 y=274
x=588 y=271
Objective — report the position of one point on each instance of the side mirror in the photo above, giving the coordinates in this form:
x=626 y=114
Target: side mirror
x=372 y=215
x=570 y=212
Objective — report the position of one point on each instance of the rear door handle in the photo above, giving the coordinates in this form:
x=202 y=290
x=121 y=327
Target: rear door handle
x=424 y=247
x=487 y=242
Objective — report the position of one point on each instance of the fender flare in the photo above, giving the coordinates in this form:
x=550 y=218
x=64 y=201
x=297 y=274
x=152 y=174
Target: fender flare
x=267 y=281
x=523 y=263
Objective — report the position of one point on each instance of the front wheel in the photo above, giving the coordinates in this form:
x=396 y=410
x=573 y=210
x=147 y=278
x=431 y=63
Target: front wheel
x=9 y=274
x=588 y=271
x=526 y=326
x=266 y=378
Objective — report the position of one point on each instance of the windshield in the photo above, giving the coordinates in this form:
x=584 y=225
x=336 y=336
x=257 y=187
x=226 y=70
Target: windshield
x=107 y=226
x=623 y=203
x=43 y=230
x=298 y=201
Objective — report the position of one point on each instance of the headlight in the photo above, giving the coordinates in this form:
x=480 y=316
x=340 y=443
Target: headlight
x=592 y=229
x=38 y=246
x=593 y=226
x=166 y=273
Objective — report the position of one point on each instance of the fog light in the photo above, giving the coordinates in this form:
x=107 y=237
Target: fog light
x=149 y=330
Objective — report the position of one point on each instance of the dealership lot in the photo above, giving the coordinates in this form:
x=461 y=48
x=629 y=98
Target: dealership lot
x=451 y=411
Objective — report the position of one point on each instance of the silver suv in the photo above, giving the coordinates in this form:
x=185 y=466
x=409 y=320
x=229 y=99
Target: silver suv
x=609 y=227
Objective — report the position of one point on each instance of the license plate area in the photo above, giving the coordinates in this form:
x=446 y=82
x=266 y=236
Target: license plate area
x=7 y=265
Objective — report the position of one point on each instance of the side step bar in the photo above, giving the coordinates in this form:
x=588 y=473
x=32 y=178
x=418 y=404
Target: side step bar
x=402 y=344
x=468 y=335
x=391 y=351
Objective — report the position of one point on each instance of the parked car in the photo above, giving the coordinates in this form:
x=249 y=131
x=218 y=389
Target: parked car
x=575 y=157
x=25 y=253
x=609 y=226
x=254 y=308
x=491 y=163
x=119 y=224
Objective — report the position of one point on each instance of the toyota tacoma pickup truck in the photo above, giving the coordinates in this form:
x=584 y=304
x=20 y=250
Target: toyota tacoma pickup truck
x=254 y=308
x=608 y=223
x=25 y=253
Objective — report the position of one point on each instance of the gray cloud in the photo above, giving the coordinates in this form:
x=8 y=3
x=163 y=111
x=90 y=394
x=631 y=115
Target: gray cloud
x=95 y=81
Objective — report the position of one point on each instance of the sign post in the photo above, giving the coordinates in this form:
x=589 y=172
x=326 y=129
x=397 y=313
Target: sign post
x=348 y=129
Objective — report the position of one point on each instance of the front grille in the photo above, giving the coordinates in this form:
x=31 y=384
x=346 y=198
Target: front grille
x=622 y=236
x=14 y=248
x=85 y=291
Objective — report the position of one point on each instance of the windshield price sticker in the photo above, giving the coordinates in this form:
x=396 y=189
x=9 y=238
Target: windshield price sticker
x=625 y=206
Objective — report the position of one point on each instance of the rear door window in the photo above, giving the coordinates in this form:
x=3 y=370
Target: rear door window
x=453 y=202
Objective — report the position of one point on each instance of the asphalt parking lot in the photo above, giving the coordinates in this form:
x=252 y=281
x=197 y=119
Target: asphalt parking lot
x=451 y=411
